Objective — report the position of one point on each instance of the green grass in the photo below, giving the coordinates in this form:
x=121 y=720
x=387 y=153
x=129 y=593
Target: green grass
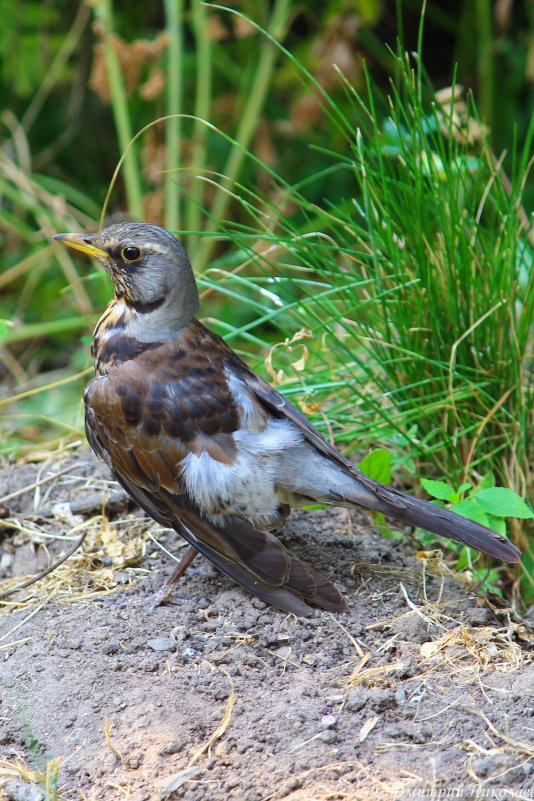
x=415 y=291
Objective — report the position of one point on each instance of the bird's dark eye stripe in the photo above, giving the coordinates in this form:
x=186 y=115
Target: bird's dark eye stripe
x=130 y=253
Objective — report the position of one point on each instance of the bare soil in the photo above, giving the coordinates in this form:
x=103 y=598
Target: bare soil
x=419 y=688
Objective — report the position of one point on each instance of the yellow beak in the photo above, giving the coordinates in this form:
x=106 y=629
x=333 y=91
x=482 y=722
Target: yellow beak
x=79 y=242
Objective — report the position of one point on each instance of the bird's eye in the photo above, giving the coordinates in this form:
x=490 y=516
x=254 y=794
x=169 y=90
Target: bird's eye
x=130 y=253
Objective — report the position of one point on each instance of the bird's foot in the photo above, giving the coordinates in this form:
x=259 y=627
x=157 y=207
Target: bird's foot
x=164 y=591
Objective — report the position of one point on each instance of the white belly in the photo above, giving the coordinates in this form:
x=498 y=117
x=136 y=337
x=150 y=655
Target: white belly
x=248 y=487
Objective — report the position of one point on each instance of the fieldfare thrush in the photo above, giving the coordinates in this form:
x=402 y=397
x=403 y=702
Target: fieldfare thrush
x=207 y=447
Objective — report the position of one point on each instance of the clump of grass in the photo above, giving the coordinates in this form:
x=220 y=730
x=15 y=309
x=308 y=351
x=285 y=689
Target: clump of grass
x=414 y=294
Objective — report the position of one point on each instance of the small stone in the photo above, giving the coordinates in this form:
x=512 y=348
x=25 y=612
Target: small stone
x=174 y=747
x=382 y=700
x=162 y=644
x=135 y=760
x=148 y=665
x=329 y=736
x=412 y=628
x=328 y=721
x=524 y=684
x=357 y=700
x=478 y=616
x=25 y=792
x=295 y=784
x=221 y=750
x=6 y=560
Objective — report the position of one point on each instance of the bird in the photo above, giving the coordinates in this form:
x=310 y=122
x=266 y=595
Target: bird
x=207 y=447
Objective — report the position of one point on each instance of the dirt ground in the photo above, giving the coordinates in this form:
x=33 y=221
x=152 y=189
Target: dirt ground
x=418 y=690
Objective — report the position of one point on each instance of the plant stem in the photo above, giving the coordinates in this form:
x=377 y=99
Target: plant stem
x=486 y=75
x=249 y=121
x=202 y=106
x=173 y=128
x=119 y=104
x=50 y=328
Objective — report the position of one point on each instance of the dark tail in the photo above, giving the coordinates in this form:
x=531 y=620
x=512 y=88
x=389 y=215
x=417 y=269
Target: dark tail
x=443 y=522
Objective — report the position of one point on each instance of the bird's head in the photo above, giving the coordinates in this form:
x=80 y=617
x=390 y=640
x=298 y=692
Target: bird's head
x=148 y=266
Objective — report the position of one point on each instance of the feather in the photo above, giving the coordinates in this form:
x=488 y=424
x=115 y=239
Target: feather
x=148 y=466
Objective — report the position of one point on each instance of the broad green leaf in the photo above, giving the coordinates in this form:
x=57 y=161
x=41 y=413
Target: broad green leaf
x=502 y=502
x=498 y=524
x=471 y=510
x=438 y=489
x=377 y=465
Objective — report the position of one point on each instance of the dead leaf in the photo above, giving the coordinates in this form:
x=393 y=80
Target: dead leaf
x=368 y=727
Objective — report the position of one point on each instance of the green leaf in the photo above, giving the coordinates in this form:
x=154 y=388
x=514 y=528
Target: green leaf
x=4 y=326
x=498 y=524
x=471 y=510
x=502 y=502
x=377 y=465
x=463 y=558
x=489 y=580
x=463 y=488
x=527 y=563
x=487 y=482
x=438 y=489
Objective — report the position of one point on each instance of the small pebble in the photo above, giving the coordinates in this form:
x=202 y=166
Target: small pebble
x=135 y=760
x=357 y=700
x=23 y=792
x=524 y=684
x=328 y=721
x=329 y=736
x=162 y=644
x=173 y=747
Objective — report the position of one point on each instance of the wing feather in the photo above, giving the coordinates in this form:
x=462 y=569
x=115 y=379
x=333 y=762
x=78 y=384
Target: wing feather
x=147 y=466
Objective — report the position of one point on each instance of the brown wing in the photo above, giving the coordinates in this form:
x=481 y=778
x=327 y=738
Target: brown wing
x=143 y=426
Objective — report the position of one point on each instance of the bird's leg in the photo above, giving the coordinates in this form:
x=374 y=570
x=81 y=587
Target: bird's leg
x=179 y=570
